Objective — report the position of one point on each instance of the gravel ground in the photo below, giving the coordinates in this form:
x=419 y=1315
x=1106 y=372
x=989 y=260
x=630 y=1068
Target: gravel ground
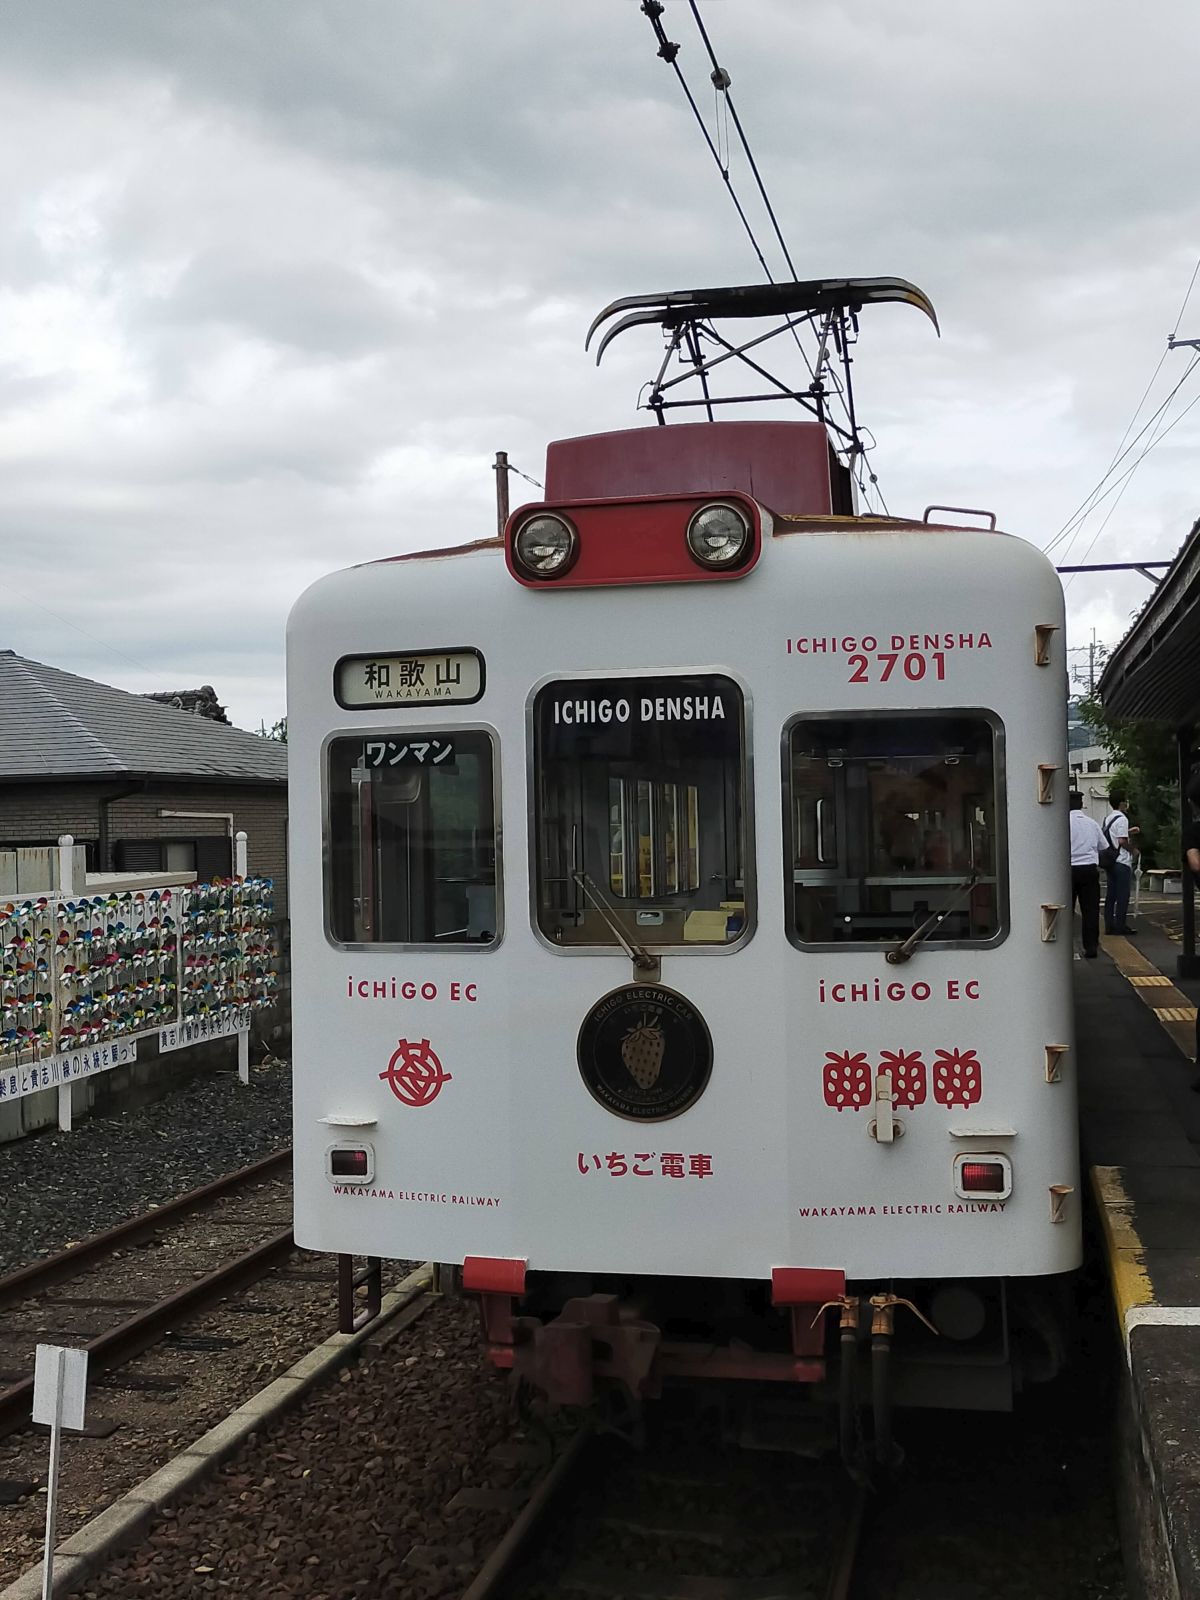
x=115 y=1167
x=348 y=1498
x=163 y=1401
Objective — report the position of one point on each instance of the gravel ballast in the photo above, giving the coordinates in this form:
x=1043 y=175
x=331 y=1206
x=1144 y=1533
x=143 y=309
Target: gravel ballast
x=348 y=1497
x=62 y=1187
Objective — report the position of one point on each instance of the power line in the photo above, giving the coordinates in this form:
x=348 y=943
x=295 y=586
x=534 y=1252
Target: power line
x=1128 y=476
x=669 y=51
x=1074 y=522
x=1186 y=298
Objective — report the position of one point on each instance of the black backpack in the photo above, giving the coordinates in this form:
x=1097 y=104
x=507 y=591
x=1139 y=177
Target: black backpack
x=1110 y=855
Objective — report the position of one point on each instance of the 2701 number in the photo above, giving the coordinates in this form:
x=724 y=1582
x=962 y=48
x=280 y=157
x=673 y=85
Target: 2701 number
x=914 y=666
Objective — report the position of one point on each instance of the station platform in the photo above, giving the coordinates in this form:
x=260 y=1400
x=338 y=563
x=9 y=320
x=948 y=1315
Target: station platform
x=1140 y=1132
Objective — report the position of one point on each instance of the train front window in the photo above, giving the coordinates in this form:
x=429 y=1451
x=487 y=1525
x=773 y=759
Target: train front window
x=640 y=811
x=892 y=821
x=413 y=839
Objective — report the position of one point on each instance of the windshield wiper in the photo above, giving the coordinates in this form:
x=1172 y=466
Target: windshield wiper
x=641 y=958
x=905 y=948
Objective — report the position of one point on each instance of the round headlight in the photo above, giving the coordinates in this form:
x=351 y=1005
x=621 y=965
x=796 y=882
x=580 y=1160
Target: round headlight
x=545 y=546
x=718 y=536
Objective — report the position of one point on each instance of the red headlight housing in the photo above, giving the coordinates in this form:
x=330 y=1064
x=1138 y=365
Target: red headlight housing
x=701 y=538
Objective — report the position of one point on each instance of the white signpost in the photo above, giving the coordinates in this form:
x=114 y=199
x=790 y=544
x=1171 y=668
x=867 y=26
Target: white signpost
x=59 y=1398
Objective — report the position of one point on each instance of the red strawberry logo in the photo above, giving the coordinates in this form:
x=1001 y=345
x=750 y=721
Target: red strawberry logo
x=847 y=1080
x=909 y=1076
x=957 y=1078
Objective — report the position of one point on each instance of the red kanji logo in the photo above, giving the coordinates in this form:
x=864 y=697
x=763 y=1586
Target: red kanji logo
x=907 y=1067
x=847 y=1080
x=957 y=1078
x=414 y=1074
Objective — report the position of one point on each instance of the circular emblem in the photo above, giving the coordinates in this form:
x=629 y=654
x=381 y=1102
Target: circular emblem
x=645 y=1052
x=414 y=1074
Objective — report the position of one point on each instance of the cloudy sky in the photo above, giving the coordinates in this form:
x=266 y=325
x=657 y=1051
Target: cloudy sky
x=278 y=277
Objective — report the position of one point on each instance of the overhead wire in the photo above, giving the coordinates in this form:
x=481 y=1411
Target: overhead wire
x=1074 y=523
x=1127 y=477
x=669 y=52
x=1089 y=502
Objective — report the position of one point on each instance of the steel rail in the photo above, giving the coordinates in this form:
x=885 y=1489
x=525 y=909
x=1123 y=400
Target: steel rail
x=38 y=1275
x=120 y=1344
x=498 y=1566
x=842 y=1576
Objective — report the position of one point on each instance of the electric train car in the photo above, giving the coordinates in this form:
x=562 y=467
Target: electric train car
x=681 y=936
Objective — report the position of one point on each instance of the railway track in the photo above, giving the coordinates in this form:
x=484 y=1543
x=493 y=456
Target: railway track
x=124 y=1290
x=688 y=1518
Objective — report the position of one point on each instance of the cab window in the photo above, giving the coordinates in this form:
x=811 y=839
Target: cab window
x=640 y=811
x=413 y=838
x=890 y=822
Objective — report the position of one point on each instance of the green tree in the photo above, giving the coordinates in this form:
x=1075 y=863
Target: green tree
x=1148 y=773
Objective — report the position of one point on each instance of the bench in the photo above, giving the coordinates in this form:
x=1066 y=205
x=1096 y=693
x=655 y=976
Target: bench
x=1164 y=881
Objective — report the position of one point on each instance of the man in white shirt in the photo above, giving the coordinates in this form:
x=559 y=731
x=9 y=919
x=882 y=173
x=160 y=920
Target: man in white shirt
x=1087 y=840
x=1116 y=830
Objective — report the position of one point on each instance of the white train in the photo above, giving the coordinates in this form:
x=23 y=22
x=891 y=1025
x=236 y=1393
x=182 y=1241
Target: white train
x=681 y=939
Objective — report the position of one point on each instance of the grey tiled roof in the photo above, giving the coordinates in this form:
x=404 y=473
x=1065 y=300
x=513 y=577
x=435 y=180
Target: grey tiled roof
x=55 y=725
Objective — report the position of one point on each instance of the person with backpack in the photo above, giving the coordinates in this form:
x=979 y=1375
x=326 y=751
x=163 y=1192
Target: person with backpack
x=1117 y=860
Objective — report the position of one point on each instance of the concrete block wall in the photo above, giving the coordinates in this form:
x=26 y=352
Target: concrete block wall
x=46 y=811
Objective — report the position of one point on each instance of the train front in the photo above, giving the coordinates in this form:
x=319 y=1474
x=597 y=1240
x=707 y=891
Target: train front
x=681 y=942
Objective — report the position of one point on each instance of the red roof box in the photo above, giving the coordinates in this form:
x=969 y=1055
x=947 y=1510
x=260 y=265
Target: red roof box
x=785 y=466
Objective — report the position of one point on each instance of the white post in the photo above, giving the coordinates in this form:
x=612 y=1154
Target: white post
x=66 y=888
x=66 y=865
x=52 y=1483
x=60 y=1401
x=239 y=870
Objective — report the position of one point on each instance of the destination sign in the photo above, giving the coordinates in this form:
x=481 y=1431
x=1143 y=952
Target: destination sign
x=448 y=676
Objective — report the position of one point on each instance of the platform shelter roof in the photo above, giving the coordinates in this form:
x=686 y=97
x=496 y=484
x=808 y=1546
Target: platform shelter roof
x=1155 y=670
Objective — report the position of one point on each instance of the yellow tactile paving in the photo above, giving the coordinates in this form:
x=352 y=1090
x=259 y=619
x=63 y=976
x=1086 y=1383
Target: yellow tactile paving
x=1131 y=1283
x=1143 y=982
x=1128 y=959
x=1175 y=1013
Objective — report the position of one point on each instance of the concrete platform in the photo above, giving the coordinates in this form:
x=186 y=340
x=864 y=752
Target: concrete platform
x=1140 y=1129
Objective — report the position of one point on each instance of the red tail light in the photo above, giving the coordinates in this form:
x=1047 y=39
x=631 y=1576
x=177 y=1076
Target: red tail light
x=988 y=1176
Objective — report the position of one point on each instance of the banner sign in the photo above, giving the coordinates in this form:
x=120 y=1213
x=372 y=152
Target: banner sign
x=200 y=1030
x=32 y=1076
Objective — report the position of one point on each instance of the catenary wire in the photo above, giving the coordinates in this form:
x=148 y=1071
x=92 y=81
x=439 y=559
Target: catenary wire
x=1074 y=522
x=669 y=51
x=1128 y=475
x=1186 y=298
x=1085 y=505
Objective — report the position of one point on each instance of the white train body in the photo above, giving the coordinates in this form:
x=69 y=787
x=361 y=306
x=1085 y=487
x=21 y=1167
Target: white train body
x=767 y=783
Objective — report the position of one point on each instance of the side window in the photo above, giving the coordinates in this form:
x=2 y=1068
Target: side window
x=413 y=838
x=892 y=820
x=640 y=813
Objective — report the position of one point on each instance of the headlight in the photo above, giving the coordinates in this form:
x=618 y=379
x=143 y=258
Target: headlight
x=718 y=536
x=545 y=546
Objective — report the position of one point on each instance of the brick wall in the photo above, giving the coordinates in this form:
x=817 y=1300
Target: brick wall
x=37 y=811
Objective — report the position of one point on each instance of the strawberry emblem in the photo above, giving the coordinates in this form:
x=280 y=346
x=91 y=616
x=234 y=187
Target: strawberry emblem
x=957 y=1078
x=847 y=1080
x=907 y=1068
x=642 y=1052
